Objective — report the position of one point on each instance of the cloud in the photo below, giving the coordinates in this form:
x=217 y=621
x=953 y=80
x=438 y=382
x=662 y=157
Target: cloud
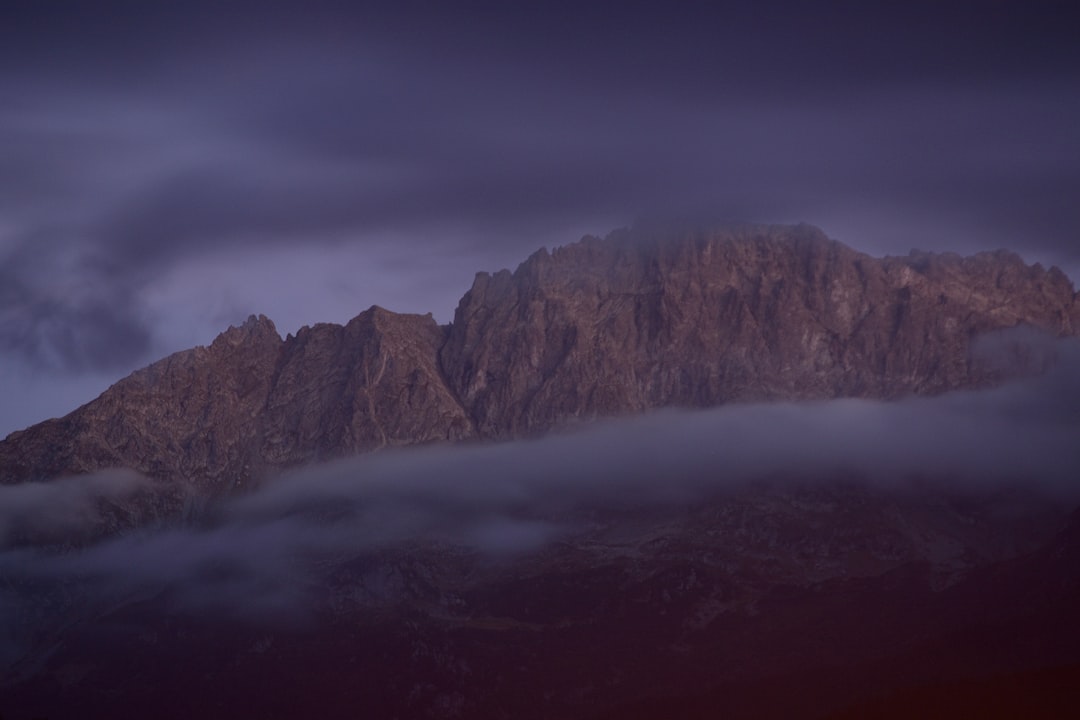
x=265 y=554
x=65 y=510
x=138 y=151
x=50 y=331
x=268 y=557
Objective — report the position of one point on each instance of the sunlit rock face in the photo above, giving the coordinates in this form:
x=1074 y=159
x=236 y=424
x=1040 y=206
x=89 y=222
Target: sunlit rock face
x=638 y=320
x=636 y=568
x=187 y=416
x=370 y=384
x=249 y=403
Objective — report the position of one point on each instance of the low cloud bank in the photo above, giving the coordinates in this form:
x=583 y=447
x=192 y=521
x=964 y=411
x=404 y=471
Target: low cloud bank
x=62 y=510
x=262 y=552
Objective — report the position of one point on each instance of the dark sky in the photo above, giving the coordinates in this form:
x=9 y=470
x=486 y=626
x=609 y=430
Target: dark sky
x=165 y=171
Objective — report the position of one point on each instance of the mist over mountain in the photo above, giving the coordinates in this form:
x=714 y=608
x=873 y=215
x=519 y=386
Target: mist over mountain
x=516 y=497
x=639 y=320
x=696 y=467
x=745 y=470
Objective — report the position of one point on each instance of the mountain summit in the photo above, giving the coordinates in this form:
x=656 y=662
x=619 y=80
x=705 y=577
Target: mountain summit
x=603 y=327
x=756 y=561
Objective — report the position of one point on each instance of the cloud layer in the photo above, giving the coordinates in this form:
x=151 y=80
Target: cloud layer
x=144 y=150
x=64 y=510
x=263 y=556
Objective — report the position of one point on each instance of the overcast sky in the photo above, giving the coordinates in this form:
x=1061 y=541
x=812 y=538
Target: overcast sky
x=166 y=172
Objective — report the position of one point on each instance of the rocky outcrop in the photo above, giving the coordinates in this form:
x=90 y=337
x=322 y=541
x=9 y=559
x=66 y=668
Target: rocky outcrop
x=638 y=320
x=603 y=327
x=188 y=416
x=220 y=416
x=370 y=384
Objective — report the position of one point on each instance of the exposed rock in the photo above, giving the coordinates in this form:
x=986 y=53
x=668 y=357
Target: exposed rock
x=755 y=601
x=637 y=321
x=222 y=415
x=603 y=327
x=187 y=416
x=370 y=384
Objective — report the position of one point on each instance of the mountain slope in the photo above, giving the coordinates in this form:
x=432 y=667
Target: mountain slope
x=638 y=321
x=603 y=327
x=222 y=415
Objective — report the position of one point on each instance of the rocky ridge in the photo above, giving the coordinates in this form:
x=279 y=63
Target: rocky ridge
x=603 y=327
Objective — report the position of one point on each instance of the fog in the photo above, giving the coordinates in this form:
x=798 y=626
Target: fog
x=263 y=555
x=64 y=509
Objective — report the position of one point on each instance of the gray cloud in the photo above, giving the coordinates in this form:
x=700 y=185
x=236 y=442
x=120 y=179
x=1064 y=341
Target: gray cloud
x=266 y=557
x=148 y=143
x=260 y=555
x=63 y=510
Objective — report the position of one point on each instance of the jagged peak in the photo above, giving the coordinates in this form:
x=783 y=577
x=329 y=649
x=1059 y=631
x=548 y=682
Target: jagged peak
x=659 y=241
x=376 y=312
x=258 y=321
x=378 y=319
x=652 y=237
x=987 y=261
x=255 y=329
x=639 y=319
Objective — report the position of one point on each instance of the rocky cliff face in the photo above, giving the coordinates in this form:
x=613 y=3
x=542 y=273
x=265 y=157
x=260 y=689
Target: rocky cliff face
x=370 y=384
x=637 y=321
x=187 y=416
x=223 y=415
x=602 y=327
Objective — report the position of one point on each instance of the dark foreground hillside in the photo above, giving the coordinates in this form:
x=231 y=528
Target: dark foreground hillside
x=767 y=602
x=744 y=473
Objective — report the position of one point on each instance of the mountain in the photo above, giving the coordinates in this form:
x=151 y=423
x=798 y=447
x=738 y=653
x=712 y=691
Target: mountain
x=637 y=320
x=760 y=560
x=641 y=320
